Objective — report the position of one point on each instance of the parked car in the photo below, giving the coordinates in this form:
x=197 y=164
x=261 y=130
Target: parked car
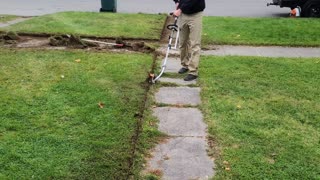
x=309 y=8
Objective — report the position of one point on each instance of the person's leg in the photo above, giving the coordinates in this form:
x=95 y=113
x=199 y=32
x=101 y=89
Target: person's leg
x=184 y=41
x=195 y=27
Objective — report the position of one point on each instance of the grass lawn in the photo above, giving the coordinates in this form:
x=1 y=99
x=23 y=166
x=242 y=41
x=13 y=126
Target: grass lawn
x=6 y=18
x=264 y=114
x=261 y=31
x=51 y=125
x=95 y=24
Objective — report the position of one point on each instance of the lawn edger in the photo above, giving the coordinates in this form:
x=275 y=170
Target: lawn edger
x=174 y=33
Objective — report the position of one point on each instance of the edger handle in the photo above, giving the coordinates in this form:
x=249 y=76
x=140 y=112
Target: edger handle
x=173 y=26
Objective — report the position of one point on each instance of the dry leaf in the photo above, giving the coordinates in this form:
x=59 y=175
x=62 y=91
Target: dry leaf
x=227 y=169
x=166 y=158
x=77 y=60
x=101 y=105
x=225 y=162
x=62 y=76
x=179 y=105
x=156 y=172
x=239 y=106
x=271 y=161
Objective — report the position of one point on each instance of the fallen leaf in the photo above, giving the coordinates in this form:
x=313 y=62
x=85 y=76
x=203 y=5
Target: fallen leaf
x=151 y=123
x=62 y=76
x=179 y=105
x=225 y=162
x=166 y=158
x=101 y=105
x=227 y=169
x=239 y=106
x=151 y=75
x=156 y=172
x=77 y=60
x=271 y=161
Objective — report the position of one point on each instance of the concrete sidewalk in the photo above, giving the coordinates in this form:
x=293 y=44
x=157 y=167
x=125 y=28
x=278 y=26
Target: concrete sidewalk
x=262 y=51
x=8 y=23
x=265 y=51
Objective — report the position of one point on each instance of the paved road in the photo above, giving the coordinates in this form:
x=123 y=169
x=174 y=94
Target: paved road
x=244 y=8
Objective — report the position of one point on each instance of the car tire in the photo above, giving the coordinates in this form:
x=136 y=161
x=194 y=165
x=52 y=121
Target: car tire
x=311 y=9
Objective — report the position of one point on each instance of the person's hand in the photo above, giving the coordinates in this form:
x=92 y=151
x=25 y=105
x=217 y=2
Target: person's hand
x=177 y=12
x=177 y=4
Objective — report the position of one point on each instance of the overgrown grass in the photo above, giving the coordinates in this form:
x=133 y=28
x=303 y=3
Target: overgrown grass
x=264 y=114
x=51 y=125
x=95 y=24
x=261 y=31
x=6 y=18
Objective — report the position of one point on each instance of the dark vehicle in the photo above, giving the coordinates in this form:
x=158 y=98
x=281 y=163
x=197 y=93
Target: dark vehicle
x=309 y=8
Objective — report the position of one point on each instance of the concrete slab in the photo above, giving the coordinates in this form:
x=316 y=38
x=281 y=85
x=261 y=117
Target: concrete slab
x=178 y=96
x=178 y=81
x=240 y=50
x=173 y=65
x=218 y=51
x=13 y=22
x=182 y=158
x=266 y=51
x=307 y=52
x=180 y=121
x=276 y=51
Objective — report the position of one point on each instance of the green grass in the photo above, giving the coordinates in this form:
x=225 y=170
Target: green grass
x=264 y=114
x=6 y=18
x=261 y=31
x=95 y=24
x=51 y=126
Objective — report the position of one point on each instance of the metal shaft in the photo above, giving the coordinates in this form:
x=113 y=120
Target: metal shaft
x=164 y=64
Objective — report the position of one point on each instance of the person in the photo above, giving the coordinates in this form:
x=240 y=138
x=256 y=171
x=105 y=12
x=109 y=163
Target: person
x=190 y=14
x=295 y=11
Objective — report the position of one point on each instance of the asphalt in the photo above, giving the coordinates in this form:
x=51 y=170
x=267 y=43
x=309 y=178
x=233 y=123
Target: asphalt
x=244 y=8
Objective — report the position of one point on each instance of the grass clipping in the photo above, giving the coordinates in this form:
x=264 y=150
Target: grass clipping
x=9 y=38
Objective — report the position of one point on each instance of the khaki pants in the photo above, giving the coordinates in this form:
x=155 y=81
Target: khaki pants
x=190 y=41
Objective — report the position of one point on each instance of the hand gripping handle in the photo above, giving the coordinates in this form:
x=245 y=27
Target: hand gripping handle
x=173 y=26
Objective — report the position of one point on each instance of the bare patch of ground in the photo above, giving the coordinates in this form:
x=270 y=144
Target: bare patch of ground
x=13 y=40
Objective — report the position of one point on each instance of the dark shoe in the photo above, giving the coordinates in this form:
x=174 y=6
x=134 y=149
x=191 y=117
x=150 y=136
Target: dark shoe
x=183 y=70
x=190 y=77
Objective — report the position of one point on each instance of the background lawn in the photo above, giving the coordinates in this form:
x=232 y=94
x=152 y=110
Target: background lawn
x=95 y=24
x=51 y=125
x=261 y=31
x=264 y=114
x=6 y=18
